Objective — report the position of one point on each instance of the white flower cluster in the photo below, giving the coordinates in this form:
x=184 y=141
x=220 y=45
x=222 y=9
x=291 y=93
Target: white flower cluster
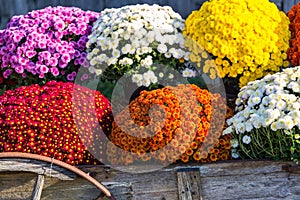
x=273 y=101
x=144 y=79
x=131 y=37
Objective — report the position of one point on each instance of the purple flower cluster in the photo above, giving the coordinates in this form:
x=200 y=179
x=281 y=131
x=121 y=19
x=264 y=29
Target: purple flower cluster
x=47 y=43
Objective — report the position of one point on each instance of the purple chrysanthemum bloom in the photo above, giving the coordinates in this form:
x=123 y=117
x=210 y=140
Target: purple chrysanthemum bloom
x=65 y=58
x=19 y=69
x=47 y=37
x=84 y=77
x=7 y=73
x=54 y=71
x=74 y=73
x=70 y=77
x=44 y=69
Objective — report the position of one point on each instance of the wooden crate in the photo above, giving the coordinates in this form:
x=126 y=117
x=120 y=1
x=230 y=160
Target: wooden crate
x=221 y=180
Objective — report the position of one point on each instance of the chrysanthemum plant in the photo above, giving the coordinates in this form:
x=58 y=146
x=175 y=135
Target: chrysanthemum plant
x=43 y=45
x=293 y=51
x=266 y=123
x=41 y=120
x=246 y=38
x=189 y=131
x=143 y=43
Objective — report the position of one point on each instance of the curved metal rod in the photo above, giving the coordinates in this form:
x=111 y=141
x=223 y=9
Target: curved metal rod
x=61 y=164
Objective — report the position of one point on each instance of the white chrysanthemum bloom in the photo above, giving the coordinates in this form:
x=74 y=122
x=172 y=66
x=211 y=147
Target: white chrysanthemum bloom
x=273 y=103
x=150 y=36
x=161 y=75
x=274 y=126
x=246 y=139
x=228 y=130
x=288 y=122
x=270 y=89
x=98 y=72
x=272 y=113
x=240 y=128
x=115 y=35
x=137 y=77
x=289 y=71
x=234 y=143
x=139 y=51
x=281 y=105
x=168 y=55
x=111 y=61
x=93 y=61
x=230 y=121
x=95 y=51
x=295 y=115
x=147 y=76
x=290 y=99
x=153 y=79
x=146 y=83
x=192 y=73
x=238 y=101
x=249 y=126
x=162 y=48
x=171 y=76
x=254 y=101
x=256 y=120
x=132 y=50
x=92 y=69
x=126 y=61
x=102 y=58
x=234 y=154
x=126 y=49
x=139 y=83
x=258 y=93
x=113 y=44
x=148 y=61
x=246 y=112
x=294 y=86
x=186 y=73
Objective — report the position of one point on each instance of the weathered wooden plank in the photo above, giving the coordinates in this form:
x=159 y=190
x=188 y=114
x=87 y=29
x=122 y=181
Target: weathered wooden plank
x=37 y=167
x=233 y=176
x=45 y=3
x=275 y=186
x=287 y=4
x=16 y=185
x=184 y=7
x=38 y=188
x=221 y=180
x=189 y=185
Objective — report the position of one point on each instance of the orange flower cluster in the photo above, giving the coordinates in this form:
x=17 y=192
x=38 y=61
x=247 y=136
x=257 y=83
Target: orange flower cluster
x=294 y=50
x=169 y=124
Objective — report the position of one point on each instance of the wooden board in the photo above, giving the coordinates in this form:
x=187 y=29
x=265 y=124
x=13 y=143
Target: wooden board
x=184 y=7
x=189 y=184
x=227 y=180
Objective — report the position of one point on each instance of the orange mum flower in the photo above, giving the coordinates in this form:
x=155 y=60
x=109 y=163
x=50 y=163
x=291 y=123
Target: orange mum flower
x=181 y=124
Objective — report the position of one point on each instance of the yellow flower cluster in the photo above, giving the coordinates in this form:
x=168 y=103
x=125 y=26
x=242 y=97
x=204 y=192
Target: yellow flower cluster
x=246 y=38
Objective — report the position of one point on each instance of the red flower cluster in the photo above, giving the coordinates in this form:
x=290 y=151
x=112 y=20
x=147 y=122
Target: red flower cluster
x=294 y=50
x=169 y=124
x=41 y=120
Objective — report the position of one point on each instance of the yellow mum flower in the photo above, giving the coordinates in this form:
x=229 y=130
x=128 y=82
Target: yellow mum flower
x=242 y=36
